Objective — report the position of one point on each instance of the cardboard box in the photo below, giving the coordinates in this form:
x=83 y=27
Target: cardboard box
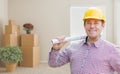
x=29 y=40
x=12 y=22
x=12 y=29
x=18 y=40
x=31 y=56
x=10 y=39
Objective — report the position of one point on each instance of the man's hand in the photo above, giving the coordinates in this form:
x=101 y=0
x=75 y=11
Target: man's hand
x=58 y=46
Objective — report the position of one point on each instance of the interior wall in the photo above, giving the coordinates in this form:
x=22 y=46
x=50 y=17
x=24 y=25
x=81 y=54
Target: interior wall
x=51 y=18
x=3 y=17
x=116 y=21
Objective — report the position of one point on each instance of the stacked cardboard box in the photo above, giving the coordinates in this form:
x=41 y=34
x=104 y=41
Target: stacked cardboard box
x=30 y=49
x=12 y=34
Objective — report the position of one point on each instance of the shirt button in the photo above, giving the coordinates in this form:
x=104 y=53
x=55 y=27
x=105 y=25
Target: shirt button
x=82 y=66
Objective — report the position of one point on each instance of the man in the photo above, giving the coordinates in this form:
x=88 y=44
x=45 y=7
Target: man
x=92 y=55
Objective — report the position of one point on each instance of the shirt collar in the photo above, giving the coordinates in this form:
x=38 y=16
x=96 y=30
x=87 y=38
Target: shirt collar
x=84 y=41
x=97 y=43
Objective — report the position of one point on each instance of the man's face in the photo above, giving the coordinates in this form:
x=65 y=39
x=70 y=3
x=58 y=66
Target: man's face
x=93 y=27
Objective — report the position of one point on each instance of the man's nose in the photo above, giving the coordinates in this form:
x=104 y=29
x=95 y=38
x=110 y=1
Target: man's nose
x=92 y=25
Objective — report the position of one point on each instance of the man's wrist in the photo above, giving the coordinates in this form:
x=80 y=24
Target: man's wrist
x=55 y=49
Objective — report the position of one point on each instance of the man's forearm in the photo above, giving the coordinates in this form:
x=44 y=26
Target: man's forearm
x=53 y=58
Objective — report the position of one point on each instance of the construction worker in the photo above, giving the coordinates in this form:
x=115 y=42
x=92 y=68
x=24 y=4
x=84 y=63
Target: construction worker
x=92 y=55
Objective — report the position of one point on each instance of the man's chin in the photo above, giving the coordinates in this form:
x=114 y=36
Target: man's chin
x=92 y=36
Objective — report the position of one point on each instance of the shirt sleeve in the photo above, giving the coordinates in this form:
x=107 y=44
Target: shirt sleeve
x=58 y=58
x=115 y=60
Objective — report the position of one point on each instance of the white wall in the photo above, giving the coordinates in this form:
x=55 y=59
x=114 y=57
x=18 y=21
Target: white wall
x=116 y=21
x=3 y=16
x=51 y=18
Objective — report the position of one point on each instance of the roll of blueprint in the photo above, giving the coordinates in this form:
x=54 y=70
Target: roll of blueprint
x=72 y=38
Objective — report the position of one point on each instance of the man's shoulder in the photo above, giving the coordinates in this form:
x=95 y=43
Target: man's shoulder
x=110 y=44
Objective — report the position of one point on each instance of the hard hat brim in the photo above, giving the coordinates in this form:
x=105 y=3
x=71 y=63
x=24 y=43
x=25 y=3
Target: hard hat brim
x=96 y=18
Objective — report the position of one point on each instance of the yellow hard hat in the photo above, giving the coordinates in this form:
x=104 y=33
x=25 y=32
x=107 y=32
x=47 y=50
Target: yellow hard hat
x=94 y=13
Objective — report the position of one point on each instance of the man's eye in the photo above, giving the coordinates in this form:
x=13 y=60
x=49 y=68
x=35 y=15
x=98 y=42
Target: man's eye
x=88 y=23
x=96 y=23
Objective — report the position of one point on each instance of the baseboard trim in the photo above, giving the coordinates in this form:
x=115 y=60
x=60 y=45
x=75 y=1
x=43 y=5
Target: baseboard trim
x=43 y=61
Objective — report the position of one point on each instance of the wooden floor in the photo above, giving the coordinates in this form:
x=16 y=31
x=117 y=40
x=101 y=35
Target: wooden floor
x=41 y=69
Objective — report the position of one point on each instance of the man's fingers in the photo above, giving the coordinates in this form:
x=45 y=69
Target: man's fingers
x=61 y=39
